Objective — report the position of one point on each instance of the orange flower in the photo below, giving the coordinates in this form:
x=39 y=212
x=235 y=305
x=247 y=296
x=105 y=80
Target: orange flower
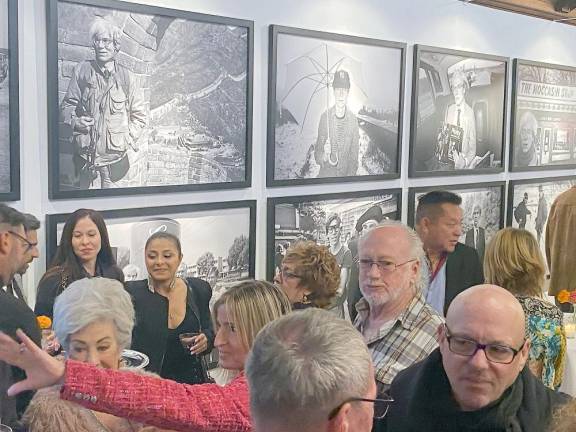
x=44 y=322
x=563 y=296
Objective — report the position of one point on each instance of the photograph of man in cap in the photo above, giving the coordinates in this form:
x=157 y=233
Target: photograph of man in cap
x=343 y=258
x=337 y=144
x=369 y=219
x=541 y=213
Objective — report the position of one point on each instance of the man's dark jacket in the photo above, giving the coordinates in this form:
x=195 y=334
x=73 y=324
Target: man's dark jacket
x=14 y=314
x=423 y=402
x=463 y=270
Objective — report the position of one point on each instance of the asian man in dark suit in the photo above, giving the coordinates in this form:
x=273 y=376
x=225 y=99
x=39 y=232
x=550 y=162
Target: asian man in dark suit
x=452 y=266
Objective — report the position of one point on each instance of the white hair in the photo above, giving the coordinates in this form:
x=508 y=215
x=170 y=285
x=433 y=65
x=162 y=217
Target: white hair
x=101 y=26
x=416 y=248
x=304 y=365
x=87 y=301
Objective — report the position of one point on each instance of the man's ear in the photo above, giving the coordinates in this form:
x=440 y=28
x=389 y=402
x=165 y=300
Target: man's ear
x=341 y=421
x=4 y=242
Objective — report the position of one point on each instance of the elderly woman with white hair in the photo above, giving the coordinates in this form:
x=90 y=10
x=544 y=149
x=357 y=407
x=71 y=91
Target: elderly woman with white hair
x=93 y=320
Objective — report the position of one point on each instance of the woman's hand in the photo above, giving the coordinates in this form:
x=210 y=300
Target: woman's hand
x=41 y=369
x=200 y=344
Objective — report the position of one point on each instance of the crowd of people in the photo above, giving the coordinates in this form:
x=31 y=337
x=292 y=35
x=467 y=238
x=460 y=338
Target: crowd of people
x=441 y=340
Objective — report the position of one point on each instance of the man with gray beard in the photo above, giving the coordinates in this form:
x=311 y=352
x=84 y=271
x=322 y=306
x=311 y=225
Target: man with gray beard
x=397 y=324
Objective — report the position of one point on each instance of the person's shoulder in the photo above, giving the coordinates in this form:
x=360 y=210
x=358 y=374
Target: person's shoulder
x=137 y=287
x=51 y=278
x=199 y=285
x=464 y=251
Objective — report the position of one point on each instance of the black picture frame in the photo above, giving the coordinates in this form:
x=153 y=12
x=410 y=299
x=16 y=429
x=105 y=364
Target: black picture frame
x=488 y=222
x=552 y=187
x=429 y=125
x=351 y=216
x=206 y=145
x=9 y=109
x=379 y=126
x=546 y=115
x=150 y=217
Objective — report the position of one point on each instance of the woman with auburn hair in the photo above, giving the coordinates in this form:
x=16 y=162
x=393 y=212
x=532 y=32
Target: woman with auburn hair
x=84 y=251
x=239 y=315
x=309 y=275
x=514 y=262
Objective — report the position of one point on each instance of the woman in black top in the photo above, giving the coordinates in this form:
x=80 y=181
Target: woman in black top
x=167 y=306
x=84 y=251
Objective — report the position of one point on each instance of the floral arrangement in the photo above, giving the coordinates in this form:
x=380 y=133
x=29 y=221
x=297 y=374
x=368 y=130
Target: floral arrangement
x=566 y=296
x=44 y=322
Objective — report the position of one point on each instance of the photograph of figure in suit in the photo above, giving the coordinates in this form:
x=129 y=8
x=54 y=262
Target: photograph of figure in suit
x=458 y=122
x=529 y=203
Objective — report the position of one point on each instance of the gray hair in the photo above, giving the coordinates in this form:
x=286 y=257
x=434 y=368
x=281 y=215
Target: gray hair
x=101 y=26
x=416 y=248
x=304 y=365
x=31 y=222
x=10 y=217
x=86 y=301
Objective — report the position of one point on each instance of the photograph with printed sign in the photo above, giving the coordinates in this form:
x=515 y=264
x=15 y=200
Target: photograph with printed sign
x=218 y=243
x=459 y=112
x=332 y=220
x=9 y=115
x=529 y=203
x=330 y=119
x=146 y=99
x=543 y=117
x=482 y=211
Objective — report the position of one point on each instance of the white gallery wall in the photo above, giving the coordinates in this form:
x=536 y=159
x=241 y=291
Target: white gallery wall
x=443 y=23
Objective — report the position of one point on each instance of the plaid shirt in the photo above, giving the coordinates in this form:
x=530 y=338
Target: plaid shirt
x=402 y=342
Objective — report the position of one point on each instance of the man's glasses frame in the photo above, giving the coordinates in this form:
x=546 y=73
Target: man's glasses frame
x=489 y=349
x=382 y=266
x=29 y=244
x=381 y=406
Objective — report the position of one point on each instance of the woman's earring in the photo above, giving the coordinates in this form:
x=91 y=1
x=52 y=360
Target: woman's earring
x=305 y=299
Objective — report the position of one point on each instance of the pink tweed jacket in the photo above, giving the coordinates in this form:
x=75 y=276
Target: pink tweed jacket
x=159 y=402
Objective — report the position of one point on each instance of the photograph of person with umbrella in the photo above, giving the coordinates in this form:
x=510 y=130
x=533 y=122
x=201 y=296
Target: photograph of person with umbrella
x=330 y=117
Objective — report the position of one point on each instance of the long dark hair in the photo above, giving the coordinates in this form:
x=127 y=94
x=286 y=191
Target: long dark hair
x=66 y=261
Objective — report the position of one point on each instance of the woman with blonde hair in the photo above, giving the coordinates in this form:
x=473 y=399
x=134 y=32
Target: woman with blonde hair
x=309 y=275
x=514 y=262
x=239 y=315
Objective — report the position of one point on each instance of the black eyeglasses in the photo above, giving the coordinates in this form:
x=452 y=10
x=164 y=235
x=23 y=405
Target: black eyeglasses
x=383 y=266
x=29 y=244
x=380 y=406
x=495 y=353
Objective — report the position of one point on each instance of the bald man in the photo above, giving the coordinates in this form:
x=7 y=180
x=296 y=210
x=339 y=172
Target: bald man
x=476 y=380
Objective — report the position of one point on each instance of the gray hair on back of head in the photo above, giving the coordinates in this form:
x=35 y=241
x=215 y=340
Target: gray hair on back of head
x=87 y=301
x=304 y=365
x=416 y=248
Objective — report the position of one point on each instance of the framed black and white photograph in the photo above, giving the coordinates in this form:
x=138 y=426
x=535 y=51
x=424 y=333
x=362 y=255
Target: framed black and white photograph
x=334 y=220
x=9 y=114
x=458 y=112
x=143 y=99
x=218 y=239
x=529 y=203
x=543 y=128
x=482 y=211
x=334 y=107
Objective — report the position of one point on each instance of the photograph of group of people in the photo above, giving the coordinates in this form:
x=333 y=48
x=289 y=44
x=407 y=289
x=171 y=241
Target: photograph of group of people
x=335 y=223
